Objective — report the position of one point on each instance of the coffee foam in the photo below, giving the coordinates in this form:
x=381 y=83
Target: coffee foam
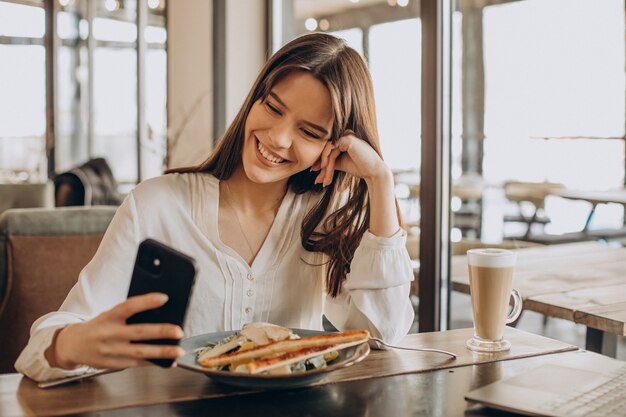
x=491 y=258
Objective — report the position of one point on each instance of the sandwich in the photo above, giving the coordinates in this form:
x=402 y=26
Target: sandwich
x=266 y=348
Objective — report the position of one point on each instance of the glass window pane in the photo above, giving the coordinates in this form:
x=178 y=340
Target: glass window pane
x=114 y=30
x=550 y=119
x=568 y=82
x=154 y=149
x=115 y=110
x=22 y=137
x=21 y=21
x=153 y=34
x=67 y=25
x=71 y=145
x=397 y=79
x=23 y=90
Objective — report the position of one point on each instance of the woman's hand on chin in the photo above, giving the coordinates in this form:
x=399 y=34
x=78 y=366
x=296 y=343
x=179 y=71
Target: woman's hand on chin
x=352 y=155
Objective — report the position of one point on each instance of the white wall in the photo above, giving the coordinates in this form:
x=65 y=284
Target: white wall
x=246 y=45
x=190 y=81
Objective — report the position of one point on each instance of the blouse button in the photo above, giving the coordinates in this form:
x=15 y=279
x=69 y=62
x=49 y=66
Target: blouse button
x=248 y=310
x=250 y=293
x=250 y=277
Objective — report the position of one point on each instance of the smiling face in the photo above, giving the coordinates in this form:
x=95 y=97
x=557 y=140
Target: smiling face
x=286 y=132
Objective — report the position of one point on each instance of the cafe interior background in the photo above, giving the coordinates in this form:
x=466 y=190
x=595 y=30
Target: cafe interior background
x=529 y=106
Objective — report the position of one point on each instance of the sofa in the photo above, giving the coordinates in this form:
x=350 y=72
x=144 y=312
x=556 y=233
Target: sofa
x=42 y=252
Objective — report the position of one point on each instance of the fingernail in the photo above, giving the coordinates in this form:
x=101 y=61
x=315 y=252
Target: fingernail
x=163 y=298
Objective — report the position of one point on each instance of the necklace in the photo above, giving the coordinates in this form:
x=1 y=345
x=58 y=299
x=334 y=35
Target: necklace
x=230 y=193
x=243 y=233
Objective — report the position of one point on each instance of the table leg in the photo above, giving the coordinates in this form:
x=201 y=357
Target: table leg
x=601 y=342
x=589 y=218
x=530 y=222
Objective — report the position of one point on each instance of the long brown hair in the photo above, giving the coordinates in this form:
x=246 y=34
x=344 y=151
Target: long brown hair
x=344 y=73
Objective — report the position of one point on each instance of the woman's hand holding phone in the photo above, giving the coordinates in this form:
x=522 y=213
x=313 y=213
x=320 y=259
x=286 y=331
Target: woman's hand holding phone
x=106 y=341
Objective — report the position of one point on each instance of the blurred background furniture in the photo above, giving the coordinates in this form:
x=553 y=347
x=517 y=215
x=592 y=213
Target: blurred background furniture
x=534 y=195
x=466 y=202
x=596 y=198
x=26 y=195
x=467 y=205
x=89 y=184
x=42 y=252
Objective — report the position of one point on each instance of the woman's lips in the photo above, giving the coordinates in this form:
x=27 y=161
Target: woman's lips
x=264 y=160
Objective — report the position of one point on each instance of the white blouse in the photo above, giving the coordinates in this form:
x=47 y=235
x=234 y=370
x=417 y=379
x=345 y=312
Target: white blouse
x=283 y=286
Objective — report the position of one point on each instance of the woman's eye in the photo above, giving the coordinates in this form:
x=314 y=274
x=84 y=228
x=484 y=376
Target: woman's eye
x=310 y=134
x=272 y=108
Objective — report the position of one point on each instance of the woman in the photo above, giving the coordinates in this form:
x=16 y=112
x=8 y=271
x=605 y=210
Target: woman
x=291 y=217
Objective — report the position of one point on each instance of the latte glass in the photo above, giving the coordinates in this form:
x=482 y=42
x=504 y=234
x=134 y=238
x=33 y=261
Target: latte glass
x=491 y=281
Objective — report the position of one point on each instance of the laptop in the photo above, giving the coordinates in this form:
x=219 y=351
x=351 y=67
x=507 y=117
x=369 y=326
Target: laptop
x=577 y=384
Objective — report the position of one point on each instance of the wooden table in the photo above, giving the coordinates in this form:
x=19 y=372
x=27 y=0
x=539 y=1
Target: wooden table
x=595 y=198
x=581 y=282
x=386 y=383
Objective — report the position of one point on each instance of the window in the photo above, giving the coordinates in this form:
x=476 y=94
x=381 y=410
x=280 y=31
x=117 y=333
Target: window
x=23 y=97
x=553 y=108
x=549 y=111
x=102 y=73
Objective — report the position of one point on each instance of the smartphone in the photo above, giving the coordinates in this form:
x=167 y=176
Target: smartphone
x=159 y=268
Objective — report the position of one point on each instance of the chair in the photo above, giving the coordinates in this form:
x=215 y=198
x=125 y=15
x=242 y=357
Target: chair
x=42 y=252
x=468 y=217
x=90 y=184
x=533 y=193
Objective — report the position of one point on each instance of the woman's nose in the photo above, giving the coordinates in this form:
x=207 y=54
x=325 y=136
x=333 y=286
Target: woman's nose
x=280 y=135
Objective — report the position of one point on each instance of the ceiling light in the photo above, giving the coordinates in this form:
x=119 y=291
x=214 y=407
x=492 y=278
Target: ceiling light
x=110 y=5
x=403 y=3
x=324 y=24
x=153 y=4
x=310 y=24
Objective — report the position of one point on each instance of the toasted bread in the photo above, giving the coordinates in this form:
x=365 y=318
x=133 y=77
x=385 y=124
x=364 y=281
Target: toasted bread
x=288 y=346
x=266 y=364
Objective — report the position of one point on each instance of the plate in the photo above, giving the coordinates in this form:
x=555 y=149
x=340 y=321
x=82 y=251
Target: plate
x=347 y=357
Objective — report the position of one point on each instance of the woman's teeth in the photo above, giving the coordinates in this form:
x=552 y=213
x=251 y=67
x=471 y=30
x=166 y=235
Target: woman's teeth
x=268 y=155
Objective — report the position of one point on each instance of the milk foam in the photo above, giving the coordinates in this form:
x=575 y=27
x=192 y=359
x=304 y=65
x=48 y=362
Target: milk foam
x=491 y=258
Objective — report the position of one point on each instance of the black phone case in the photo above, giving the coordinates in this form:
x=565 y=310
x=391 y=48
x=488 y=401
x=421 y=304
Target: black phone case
x=159 y=268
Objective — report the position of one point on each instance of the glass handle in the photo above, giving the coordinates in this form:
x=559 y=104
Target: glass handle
x=517 y=307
